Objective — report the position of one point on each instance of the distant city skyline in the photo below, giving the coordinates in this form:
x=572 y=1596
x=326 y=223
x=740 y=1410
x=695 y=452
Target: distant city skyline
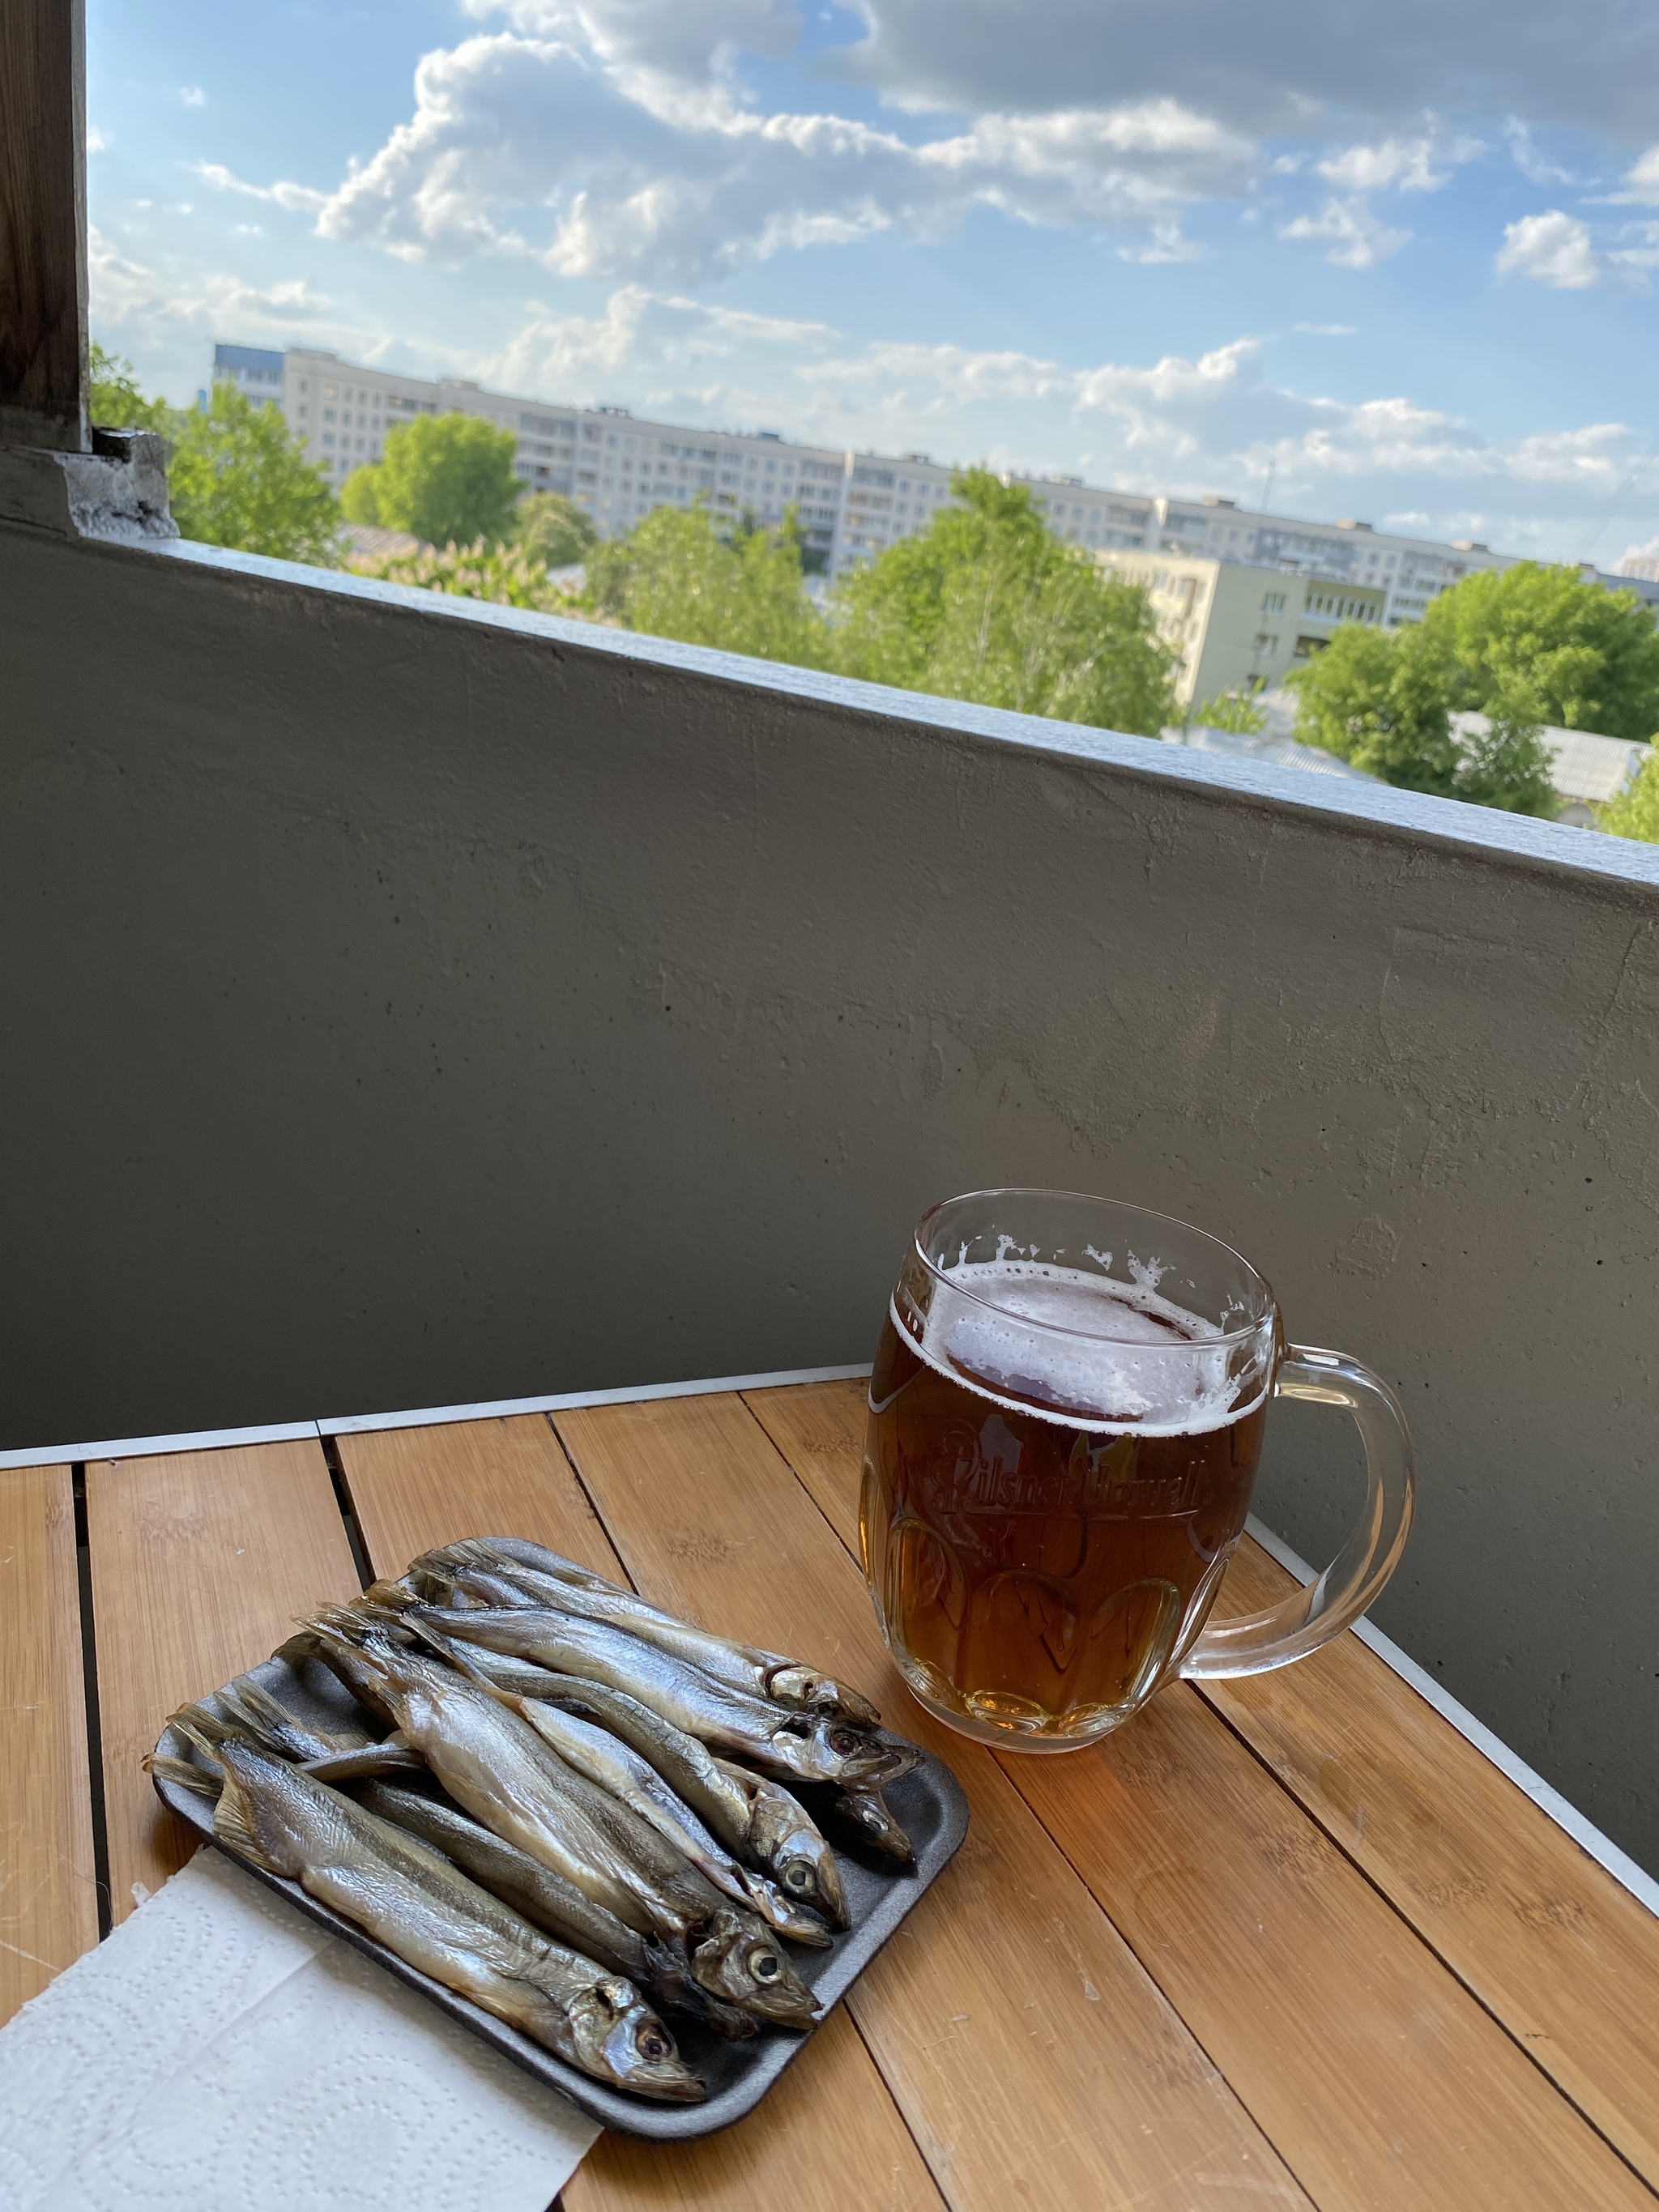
x=850 y=503
x=1405 y=278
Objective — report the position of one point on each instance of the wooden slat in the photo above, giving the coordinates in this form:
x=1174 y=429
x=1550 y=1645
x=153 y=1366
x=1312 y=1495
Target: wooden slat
x=48 y=1897
x=827 y=2139
x=43 y=223
x=1335 y=2025
x=819 y=1428
x=1565 y=1958
x=1032 y=2056
x=1362 y=2056
x=200 y=1563
x=413 y=1488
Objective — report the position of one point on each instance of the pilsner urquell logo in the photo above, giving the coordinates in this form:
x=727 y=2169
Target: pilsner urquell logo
x=978 y=1471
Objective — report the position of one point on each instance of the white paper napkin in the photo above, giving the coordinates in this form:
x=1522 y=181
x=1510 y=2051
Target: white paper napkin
x=220 y=2050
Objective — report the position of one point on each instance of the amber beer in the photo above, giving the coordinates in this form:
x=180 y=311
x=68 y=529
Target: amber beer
x=1036 y=1572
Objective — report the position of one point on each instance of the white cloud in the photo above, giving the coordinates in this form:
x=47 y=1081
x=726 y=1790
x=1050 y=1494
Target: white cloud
x=529 y=148
x=1329 y=329
x=1641 y=182
x=1404 y=164
x=1359 y=239
x=1536 y=168
x=193 y=95
x=629 y=138
x=1553 y=249
x=98 y=142
x=124 y=294
x=1215 y=422
x=294 y=198
x=1166 y=245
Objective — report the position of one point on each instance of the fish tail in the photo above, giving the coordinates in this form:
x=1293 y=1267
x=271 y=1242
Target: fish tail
x=198 y=1738
x=389 y=1597
x=184 y=1772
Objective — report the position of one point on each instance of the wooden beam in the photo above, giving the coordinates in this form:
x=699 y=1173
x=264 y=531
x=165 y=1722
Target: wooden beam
x=43 y=224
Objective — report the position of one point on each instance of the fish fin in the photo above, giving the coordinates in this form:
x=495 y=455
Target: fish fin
x=184 y=1773
x=201 y=1725
x=208 y=1746
x=387 y=1597
x=235 y=1825
x=369 y=1759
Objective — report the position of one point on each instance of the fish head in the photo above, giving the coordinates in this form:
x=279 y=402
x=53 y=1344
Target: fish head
x=619 y=2039
x=740 y=1959
x=864 y=1809
x=803 y=1868
x=802 y=1687
x=824 y=1747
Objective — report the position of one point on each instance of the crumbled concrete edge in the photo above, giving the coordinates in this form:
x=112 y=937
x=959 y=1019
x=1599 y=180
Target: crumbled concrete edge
x=118 y=492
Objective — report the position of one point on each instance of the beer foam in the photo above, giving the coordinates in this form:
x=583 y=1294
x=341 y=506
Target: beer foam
x=1079 y=1349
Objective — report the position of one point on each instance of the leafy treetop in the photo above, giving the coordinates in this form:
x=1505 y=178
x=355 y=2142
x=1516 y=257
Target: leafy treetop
x=681 y=574
x=1382 y=700
x=1537 y=643
x=551 y=529
x=448 y=479
x=1227 y=711
x=236 y=475
x=1526 y=646
x=1635 y=812
x=505 y=575
x=113 y=399
x=985 y=603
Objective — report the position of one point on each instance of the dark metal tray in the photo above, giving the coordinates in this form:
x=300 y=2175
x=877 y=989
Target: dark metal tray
x=879 y=1892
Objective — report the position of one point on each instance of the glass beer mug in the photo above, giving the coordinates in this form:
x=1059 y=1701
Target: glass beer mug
x=1065 y=1416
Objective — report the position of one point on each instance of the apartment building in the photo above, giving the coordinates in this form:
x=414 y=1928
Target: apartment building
x=614 y=465
x=851 y=506
x=1241 y=626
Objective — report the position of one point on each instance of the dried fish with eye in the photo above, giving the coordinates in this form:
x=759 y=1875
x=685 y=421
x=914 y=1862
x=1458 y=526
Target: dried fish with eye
x=633 y=1780
x=499 y=1769
x=423 y=1908
x=611 y=1781
x=481 y=1566
x=810 y=1747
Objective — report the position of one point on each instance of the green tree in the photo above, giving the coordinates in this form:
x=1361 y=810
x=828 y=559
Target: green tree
x=1385 y=700
x=449 y=479
x=1635 y=812
x=987 y=603
x=1541 y=644
x=1376 y=699
x=113 y=399
x=1228 y=712
x=1507 y=765
x=682 y=573
x=237 y=476
x=505 y=575
x=553 y=529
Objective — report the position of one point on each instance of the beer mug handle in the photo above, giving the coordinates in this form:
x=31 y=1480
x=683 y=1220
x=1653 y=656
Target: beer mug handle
x=1254 y=1641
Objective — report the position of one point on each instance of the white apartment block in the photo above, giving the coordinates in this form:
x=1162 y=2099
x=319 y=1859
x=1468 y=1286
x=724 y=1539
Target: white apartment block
x=1241 y=625
x=618 y=467
x=614 y=465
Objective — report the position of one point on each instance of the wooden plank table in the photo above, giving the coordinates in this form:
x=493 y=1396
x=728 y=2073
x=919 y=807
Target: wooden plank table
x=1290 y=1941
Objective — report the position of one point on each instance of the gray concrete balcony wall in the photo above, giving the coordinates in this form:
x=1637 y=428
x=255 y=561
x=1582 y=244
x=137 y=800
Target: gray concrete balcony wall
x=406 y=1002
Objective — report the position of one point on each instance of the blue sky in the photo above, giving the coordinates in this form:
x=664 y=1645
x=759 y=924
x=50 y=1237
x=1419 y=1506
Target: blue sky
x=1403 y=259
